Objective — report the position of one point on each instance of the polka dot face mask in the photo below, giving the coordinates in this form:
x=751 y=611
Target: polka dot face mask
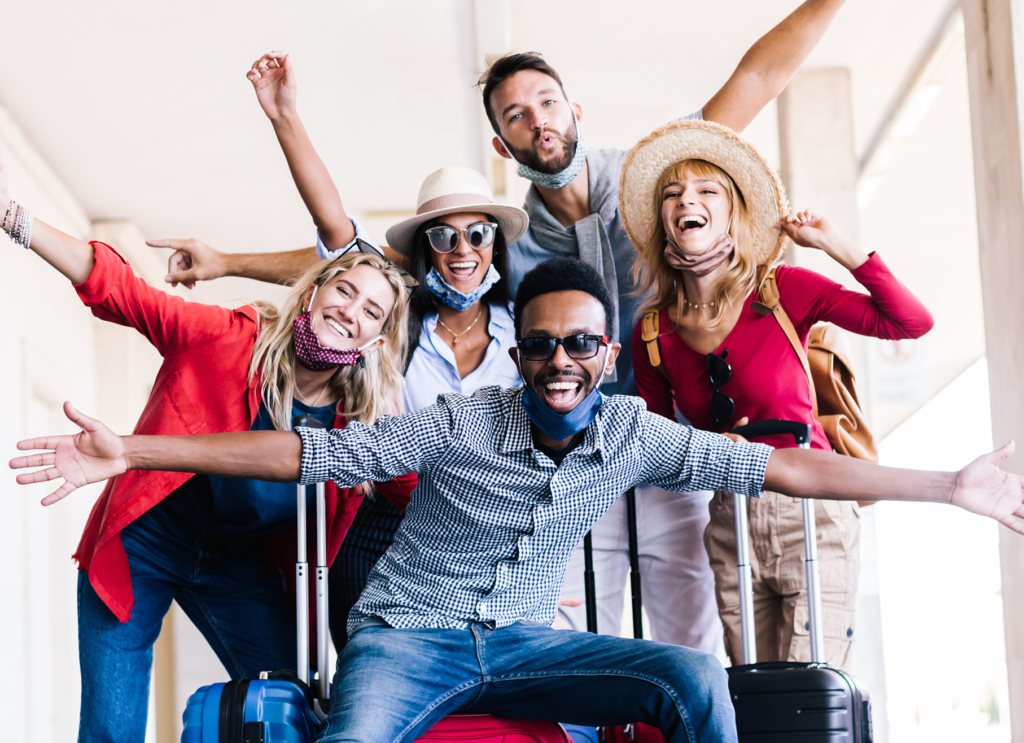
x=317 y=357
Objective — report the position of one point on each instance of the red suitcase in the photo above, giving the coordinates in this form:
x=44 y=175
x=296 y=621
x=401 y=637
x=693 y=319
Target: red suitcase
x=488 y=729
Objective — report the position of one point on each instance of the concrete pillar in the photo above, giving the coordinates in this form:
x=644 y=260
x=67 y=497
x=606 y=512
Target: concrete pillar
x=994 y=47
x=820 y=170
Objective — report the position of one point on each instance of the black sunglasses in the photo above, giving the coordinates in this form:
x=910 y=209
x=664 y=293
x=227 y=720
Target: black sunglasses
x=444 y=238
x=361 y=246
x=719 y=372
x=581 y=346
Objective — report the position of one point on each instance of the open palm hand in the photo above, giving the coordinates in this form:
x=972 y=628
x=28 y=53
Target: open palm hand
x=93 y=455
x=982 y=488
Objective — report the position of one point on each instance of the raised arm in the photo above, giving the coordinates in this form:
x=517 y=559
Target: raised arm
x=274 y=80
x=67 y=254
x=768 y=65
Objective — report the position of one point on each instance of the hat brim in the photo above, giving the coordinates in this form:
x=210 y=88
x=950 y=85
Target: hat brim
x=512 y=220
x=761 y=187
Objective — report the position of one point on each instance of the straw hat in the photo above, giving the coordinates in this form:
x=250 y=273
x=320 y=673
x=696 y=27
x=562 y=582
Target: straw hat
x=762 y=190
x=450 y=191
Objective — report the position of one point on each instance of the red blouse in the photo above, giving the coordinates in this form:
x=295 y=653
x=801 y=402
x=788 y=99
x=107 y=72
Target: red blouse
x=767 y=379
x=202 y=387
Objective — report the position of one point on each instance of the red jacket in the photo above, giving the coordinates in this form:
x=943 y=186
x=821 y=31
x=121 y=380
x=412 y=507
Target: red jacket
x=202 y=387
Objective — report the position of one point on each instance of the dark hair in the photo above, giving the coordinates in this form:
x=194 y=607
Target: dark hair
x=563 y=274
x=507 y=66
x=421 y=301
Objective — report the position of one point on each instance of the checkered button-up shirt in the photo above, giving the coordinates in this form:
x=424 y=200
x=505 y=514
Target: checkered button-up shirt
x=492 y=524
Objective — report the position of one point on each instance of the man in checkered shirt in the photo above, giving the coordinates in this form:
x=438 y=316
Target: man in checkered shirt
x=455 y=617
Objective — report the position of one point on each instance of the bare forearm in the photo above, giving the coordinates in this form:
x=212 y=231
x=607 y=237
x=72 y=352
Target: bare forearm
x=770 y=63
x=316 y=187
x=69 y=255
x=258 y=455
x=809 y=473
x=274 y=268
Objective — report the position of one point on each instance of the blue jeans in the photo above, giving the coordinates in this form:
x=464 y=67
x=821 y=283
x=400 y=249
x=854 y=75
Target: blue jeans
x=392 y=685
x=232 y=597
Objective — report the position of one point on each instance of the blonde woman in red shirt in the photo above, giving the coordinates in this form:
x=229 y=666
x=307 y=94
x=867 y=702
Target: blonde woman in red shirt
x=332 y=350
x=705 y=213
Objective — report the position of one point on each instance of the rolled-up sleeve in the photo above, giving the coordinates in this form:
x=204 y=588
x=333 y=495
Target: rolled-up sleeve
x=684 y=459
x=393 y=446
x=326 y=254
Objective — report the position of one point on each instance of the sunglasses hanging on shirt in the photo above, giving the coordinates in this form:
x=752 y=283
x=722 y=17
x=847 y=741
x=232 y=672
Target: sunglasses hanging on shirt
x=719 y=372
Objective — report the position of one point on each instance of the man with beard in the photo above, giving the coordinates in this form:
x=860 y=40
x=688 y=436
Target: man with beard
x=573 y=209
x=454 y=617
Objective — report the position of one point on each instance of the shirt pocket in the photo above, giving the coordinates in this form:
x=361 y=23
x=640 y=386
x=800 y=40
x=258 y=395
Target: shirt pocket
x=192 y=420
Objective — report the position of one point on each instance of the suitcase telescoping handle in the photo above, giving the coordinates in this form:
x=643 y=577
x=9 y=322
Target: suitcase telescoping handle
x=634 y=571
x=302 y=580
x=801 y=432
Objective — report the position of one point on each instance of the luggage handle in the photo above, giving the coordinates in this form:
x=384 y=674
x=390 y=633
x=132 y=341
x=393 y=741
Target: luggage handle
x=801 y=433
x=634 y=572
x=301 y=579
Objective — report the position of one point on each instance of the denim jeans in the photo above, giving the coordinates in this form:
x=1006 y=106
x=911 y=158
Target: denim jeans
x=391 y=685
x=233 y=598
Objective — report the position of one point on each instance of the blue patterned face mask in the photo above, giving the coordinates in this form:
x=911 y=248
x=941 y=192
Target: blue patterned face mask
x=557 y=180
x=456 y=299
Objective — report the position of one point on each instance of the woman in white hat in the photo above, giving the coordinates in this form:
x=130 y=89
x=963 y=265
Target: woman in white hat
x=708 y=216
x=459 y=327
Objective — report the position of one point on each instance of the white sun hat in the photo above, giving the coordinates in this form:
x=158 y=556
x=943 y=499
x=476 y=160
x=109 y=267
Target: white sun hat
x=450 y=191
x=760 y=186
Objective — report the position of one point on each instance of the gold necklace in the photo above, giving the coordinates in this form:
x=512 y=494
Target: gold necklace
x=699 y=306
x=458 y=336
x=303 y=397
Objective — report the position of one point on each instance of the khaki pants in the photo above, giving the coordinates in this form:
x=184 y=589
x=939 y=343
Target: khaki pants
x=777 y=566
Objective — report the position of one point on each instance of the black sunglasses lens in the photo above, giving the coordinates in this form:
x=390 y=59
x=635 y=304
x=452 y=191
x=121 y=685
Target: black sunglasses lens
x=722 y=407
x=537 y=349
x=719 y=370
x=480 y=236
x=580 y=346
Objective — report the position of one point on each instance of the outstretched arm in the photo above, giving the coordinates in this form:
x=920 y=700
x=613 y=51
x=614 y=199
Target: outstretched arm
x=274 y=80
x=97 y=454
x=67 y=254
x=768 y=65
x=980 y=487
x=194 y=261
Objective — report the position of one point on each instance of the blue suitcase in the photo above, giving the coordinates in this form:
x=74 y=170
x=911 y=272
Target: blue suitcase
x=278 y=707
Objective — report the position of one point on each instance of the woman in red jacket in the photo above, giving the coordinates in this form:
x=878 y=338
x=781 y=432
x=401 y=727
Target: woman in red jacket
x=333 y=350
x=707 y=215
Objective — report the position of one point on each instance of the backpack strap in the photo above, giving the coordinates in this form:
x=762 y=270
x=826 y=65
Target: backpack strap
x=649 y=327
x=768 y=291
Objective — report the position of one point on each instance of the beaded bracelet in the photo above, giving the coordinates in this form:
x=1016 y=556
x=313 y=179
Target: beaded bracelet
x=18 y=224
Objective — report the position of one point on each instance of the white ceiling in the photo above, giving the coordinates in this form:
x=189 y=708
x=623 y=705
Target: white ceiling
x=144 y=111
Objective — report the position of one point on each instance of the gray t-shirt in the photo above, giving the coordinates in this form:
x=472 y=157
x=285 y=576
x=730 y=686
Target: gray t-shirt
x=530 y=250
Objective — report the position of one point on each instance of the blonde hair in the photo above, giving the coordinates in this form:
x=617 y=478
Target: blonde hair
x=369 y=391
x=652 y=273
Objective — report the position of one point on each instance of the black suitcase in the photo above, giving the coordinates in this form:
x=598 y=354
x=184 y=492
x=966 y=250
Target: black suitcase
x=810 y=702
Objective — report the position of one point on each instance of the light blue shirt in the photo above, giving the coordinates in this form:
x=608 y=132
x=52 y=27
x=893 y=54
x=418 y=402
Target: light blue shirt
x=326 y=254
x=433 y=370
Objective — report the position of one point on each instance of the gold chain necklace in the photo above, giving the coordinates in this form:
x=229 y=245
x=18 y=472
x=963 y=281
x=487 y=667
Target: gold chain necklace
x=698 y=306
x=458 y=336
x=303 y=397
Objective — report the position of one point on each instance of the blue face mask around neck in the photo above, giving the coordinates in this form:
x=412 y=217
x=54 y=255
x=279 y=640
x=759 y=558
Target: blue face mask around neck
x=562 y=178
x=456 y=299
x=557 y=426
